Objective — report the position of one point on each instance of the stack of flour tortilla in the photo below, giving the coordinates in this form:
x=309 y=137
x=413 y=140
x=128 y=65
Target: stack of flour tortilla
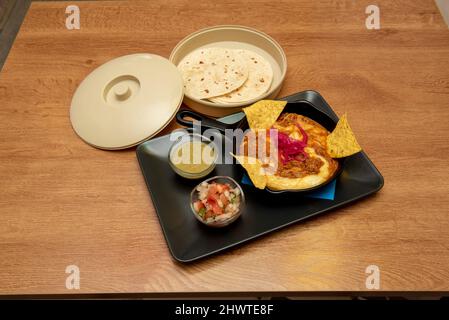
x=223 y=75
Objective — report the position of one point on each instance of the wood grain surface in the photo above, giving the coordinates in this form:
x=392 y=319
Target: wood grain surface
x=63 y=202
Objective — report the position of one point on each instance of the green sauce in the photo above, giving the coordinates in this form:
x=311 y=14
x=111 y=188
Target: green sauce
x=193 y=157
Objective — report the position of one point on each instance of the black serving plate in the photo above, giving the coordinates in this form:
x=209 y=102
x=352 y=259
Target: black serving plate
x=189 y=240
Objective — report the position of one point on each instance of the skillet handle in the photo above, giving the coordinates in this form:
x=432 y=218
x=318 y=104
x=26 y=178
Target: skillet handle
x=206 y=122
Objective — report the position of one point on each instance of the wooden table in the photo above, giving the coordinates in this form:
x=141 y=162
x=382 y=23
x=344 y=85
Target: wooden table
x=63 y=202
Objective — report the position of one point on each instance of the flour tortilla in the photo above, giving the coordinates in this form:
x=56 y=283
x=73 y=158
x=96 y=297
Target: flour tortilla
x=211 y=72
x=259 y=79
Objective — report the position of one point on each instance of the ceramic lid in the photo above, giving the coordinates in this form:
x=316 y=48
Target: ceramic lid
x=126 y=101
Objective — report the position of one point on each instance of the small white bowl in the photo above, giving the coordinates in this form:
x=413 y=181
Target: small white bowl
x=225 y=222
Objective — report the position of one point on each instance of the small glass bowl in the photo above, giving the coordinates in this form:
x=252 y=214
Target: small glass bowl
x=221 y=222
x=190 y=137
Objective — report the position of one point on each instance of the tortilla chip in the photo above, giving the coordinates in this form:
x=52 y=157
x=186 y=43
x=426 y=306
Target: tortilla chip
x=341 y=142
x=264 y=113
x=254 y=169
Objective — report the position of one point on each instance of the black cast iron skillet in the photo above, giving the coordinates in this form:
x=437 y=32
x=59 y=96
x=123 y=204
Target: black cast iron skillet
x=302 y=107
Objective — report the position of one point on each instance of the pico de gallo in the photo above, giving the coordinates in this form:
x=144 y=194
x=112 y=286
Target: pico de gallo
x=217 y=201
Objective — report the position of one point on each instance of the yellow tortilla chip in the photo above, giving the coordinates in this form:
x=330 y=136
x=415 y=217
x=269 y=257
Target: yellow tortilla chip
x=341 y=142
x=254 y=169
x=264 y=113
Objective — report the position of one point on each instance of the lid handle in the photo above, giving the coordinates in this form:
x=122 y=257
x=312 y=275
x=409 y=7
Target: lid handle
x=122 y=91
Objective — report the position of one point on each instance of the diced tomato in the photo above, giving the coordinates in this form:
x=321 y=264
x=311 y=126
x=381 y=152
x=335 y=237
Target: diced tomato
x=216 y=208
x=213 y=191
x=212 y=202
x=215 y=194
x=211 y=199
x=197 y=205
x=209 y=214
x=224 y=200
x=216 y=189
x=221 y=187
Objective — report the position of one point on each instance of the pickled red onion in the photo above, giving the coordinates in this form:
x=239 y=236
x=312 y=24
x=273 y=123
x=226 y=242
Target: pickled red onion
x=289 y=148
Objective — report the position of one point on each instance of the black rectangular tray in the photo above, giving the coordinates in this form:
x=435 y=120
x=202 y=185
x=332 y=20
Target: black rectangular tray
x=189 y=240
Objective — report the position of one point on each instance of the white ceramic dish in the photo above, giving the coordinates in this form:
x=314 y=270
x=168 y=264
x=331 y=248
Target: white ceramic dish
x=234 y=37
